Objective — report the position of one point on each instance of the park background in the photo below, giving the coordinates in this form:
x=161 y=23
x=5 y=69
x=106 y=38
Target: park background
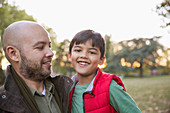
x=137 y=35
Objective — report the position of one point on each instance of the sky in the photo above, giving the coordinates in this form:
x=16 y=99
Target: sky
x=121 y=19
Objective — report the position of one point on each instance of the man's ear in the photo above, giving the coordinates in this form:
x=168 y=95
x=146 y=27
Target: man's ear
x=69 y=56
x=12 y=53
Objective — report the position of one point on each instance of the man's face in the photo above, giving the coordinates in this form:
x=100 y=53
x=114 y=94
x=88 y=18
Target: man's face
x=36 y=55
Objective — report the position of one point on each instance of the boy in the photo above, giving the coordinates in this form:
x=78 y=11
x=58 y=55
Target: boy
x=93 y=90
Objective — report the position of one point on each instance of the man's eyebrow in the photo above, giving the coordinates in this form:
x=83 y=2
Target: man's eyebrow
x=40 y=42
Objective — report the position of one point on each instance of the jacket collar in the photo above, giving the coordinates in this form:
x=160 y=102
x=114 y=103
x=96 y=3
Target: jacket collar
x=10 y=96
x=11 y=82
x=93 y=82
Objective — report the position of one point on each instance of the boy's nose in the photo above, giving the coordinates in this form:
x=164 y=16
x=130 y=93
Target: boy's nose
x=83 y=55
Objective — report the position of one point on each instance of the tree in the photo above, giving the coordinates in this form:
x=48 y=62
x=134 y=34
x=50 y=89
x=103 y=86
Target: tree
x=163 y=9
x=142 y=51
x=109 y=46
x=164 y=60
x=9 y=14
x=61 y=63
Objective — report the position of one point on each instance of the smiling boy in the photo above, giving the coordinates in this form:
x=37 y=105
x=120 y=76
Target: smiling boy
x=93 y=90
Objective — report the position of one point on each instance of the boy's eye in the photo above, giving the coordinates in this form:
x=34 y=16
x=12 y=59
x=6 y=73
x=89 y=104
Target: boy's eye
x=77 y=50
x=91 y=52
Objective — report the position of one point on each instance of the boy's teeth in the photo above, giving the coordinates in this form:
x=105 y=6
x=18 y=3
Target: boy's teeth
x=82 y=63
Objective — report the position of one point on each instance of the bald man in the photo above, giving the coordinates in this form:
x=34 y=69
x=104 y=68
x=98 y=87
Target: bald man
x=29 y=88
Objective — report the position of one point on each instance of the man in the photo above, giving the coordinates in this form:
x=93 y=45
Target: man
x=29 y=88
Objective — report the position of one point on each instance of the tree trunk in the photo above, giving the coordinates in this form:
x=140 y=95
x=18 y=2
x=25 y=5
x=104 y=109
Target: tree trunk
x=141 y=70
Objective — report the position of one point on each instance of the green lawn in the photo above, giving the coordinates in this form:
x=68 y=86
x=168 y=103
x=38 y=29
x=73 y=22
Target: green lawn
x=152 y=94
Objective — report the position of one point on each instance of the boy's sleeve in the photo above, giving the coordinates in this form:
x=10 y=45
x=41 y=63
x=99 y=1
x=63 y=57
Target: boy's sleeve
x=121 y=100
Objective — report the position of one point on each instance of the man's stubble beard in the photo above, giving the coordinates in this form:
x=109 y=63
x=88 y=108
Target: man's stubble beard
x=33 y=70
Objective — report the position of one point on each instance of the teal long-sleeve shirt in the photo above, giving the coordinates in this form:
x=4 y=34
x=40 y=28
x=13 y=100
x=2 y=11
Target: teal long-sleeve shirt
x=119 y=99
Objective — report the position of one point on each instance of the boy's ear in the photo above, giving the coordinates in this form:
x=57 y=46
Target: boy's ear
x=69 y=56
x=12 y=53
x=102 y=60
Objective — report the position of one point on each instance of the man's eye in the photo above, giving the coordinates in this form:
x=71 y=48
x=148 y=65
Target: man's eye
x=40 y=48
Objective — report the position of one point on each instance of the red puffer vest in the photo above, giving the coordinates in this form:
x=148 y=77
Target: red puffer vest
x=97 y=100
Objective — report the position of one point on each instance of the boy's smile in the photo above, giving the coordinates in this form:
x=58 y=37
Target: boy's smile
x=82 y=63
x=85 y=58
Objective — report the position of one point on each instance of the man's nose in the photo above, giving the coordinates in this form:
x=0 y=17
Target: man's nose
x=49 y=53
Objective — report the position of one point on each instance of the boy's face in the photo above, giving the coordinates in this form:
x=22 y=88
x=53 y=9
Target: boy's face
x=85 y=58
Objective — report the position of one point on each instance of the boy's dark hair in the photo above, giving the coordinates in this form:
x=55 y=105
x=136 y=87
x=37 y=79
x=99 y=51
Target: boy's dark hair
x=84 y=36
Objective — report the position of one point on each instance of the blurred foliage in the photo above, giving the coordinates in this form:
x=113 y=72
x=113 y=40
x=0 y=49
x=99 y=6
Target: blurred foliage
x=61 y=62
x=143 y=51
x=165 y=56
x=109 y=47
x=163 y=9
x=10 y=13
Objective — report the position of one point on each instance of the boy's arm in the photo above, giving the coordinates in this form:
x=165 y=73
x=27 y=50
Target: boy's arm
x=121 y=100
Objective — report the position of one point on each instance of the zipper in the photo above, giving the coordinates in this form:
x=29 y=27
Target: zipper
x=91 y=93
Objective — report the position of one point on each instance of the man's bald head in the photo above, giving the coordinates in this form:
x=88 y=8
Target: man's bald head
x=15 y=33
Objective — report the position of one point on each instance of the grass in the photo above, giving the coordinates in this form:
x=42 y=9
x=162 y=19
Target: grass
x=152 y=94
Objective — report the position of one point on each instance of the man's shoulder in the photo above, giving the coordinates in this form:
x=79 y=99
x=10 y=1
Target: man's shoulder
x=60 y=78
